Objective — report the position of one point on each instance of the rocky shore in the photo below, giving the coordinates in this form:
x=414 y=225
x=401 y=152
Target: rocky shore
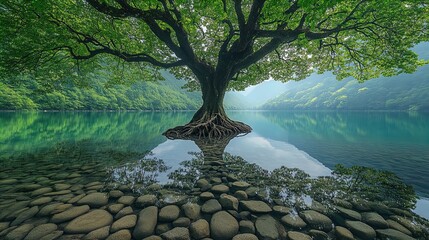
x=75 y=204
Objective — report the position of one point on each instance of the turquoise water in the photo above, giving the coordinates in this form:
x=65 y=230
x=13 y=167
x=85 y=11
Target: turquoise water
x=312 y=141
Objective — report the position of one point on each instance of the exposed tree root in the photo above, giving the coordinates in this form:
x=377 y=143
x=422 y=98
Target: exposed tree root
x=214 y=127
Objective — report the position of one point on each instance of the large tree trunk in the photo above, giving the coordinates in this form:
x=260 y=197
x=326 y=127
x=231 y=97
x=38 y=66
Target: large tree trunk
x=210 y=121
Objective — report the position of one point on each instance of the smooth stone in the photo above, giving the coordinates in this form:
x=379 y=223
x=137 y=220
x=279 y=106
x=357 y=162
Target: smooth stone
x=293 y=221
x=223 y=226
x=40 y=201
x=221 y=188
x=88 y=222
x=162 y=228
x=414 y=228
x=52 y=236
x=268 y=228
x=211 y=206
x=69 y=214
x=292 y=235
x=146 y=200
x=94 y=200
x=178 y=233
x=146 y=222
x=61 y=186
x=123 y=234
x=125 y=211
x=202 y=183
x=28 y=187
x=200 y=229
x=349 y=214
x=40 y=231
x=115 y=208
x=63 y=192
x=126 y=200
x=281 y=210
x=241 y=195
x=19 y=232
x=318 y=235
x=182 y=222
x=126 y=222
x=116 y=194
x=8 y=181
x=206 y=196
x=375 y=220
x=316 y=220
x=255 y=206
x=191 y=210
x=343 y=233
x=4 y=225
x=240 y=185
x=397 y=226
x=153 y=237
x=174 y=199
x=392 y=234
x=245 y=236
x=76 y=198
x=41 y=191
x=100 y=233
x=228 y=202
x=46 y=210
x=61 y=208
x=343 y=203
x=361 y=229
x=247 y=226
x=169 y=213
x=27 y=214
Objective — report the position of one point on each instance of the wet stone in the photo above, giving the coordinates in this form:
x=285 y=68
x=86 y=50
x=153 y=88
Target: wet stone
x=61 y=208
x=223 y=225
x=281 y=210
x=40 y=231
x=41 y=191
x=69 y=214
x=169 y=213
x=267 y=227
x=220 y=189
x=343 y=233
x=182 y=222
x=228 y=202
x=126 y=222
x=115 y=208
x=240 y=185
x=75 y=199
x=124 y=234
x=46 y=210
x=247 y=226
x=201 y=183
x=27 y=214
x=241 y=195
x=63 y=192
x=162 y=228
x=191 y=210
x=19 y=232
x=349 y=214
x=293 y=221
x=146 y=200
x=392 y=234
x=52 y=236
x=361 y=229
x=395 y=225
x=211 y=206
x=318 y=235
x=61 y=186
x=100 y=233
x=206 y=196
x=40 y=201
x=178 y=233
x=200 y=229
x=94 y=200
x=88 y=222
x=146 y=222
x=116 y=194
x=316 y=220
x=292 y=235
x=4 y=225
x=255 y=206
x=375 y=220
x=126 y=200
x=245 y=236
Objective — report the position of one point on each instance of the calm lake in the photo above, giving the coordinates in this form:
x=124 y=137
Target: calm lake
x=312 y=141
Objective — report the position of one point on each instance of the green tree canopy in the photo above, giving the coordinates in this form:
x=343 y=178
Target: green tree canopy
x=216 y=45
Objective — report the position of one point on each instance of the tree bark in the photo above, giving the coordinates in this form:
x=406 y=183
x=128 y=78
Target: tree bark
x=210 y=121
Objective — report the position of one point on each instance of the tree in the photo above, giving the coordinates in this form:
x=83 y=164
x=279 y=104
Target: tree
x=215 y=45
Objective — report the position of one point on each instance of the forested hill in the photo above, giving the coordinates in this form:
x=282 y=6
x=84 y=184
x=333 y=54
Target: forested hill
x=402 y=92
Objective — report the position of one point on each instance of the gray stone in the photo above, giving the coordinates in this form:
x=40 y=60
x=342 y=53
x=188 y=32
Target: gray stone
x=94 y=200
x=201 y=183
x=281 y=210
x=126 y=222
x=126 y=200
x=182 y=222
x=413 y=227
x=228 y=202
x=200 y=229
x=162 y=228
x=240 y=185
x=124 y=211
x=153 y=237
x=211 y=206
x=174 y=199
x=293 y=221
x=27 y=214
x=221 y=188
x=4 y=225
x=245 y=236
x=146 y=222
x=318 y=235
x=247 y=226
x=40 y=231
x=115 y=208
x=392 y=234
x=76 y=198
x=268 y=228
x=52 y=236
x=70 y=214
x=223 y=225
x=178 y=233
x=88 y=222
x=343 y=233
x=146 y=200
x=206 y=196
x=316 y=220
x=169 y=213
x=61 y=208
x=116 y=194
x=100 y=233
x=241 y=195
x=361 y=229
x=62 y=192
x=375 y=220
x=292 y=235
x=19 y=232
x=397 y=226
x=41 y=191
x=123 y=234
x=191 y=210
x=349 y=214
x=255 y=206
x=48 y=209
x=61 y=186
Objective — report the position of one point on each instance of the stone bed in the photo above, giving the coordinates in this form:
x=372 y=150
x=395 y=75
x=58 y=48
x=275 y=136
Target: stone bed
x=60 y=206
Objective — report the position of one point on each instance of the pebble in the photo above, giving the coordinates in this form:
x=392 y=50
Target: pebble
x=206 y=196
x=316 y=220
x=182 y=222
x=375 y=220
x=94 y=200
x=223 y=225
x=123 y=234
x=255 y=206
x=293 y=221
x=146 y=200
x=126 y=200
x=19 y=232
x=115 y=208
x=46 y=210
x=69 y=214
x=292 y=235
x=268 y=228
x=191 y=210
x=146 y=222
x=116 y=194
x=41 y=191
x=361 y=229
x=245 y=236
x=40 y=231
x=27 y=214
x=211 y=206
x=247 y=226
x=88 y=222
x=392 y=234
x=343 y=233
x=125 y=211
x=200 y=229
x=100 y=233
x=40 y=201
x=221 y=188
x=178 y=233
x=126 y=222
x=349 y=214
x=241 y=195
x=240 y=185
x=228 y=202
x=169 y=213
